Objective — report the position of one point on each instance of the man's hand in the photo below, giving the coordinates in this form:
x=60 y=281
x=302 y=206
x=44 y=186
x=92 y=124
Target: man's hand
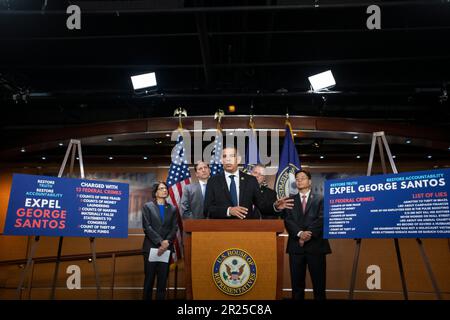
x=240 y=212
x=284 y=203
x=306 y=236
x=163 y=247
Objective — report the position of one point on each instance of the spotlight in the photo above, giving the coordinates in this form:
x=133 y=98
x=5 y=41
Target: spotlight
x=146 y=80
x=322 y=157
x=355 y=137
x=44 y=158
x=145 y=158
x=429 y=156
x=111 y=158
x=322 y=81
x=408 y=141
x=316 y=144
x=167 y=135
x=23 y=150
x=109 y=139
x=61 y=144
x=394 y=156
x=358 y=157
x=231 y=108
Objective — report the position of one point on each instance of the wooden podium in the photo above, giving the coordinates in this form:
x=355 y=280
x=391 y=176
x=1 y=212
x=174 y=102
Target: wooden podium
x=208 y=243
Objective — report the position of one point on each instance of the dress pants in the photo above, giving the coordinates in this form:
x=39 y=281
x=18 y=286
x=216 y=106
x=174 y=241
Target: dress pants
x=152 y=270
x=317 y=270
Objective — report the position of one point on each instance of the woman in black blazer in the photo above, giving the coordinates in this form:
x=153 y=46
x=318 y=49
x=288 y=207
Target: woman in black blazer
x=159 y=221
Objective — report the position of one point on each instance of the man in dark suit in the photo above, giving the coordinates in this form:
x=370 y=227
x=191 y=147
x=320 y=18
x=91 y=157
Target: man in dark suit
x=233 y=193
x=269 y=195
x=306 y=245
x=193 y=196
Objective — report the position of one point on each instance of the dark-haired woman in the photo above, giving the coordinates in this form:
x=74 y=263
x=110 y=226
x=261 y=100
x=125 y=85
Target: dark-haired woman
x=159 y=221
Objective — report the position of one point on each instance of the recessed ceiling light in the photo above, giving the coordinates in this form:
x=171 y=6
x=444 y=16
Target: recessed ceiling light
x=109 y=139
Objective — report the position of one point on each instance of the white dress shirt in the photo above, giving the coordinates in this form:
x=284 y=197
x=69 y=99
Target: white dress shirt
x=236 y=181
x=203 y=188
x=301 y=200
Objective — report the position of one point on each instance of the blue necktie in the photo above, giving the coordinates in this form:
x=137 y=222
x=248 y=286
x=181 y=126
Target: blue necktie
x=233 y=191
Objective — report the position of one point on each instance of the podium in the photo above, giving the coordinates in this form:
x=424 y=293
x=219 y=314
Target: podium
x=233 y=259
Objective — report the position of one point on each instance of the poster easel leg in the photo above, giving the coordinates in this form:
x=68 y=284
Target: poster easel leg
x=428 y=267
x=354 y=269
x=27 y=267
x=94 y=264
x=400 y=268
x=55 y=274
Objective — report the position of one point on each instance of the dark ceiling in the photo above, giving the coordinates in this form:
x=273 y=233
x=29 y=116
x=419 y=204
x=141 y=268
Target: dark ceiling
x=209 y=54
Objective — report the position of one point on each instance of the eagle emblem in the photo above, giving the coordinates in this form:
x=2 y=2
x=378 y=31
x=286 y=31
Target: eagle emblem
x=234 y=272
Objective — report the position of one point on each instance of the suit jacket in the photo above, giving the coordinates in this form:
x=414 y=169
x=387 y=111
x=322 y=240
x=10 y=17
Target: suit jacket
x=192 y=202
x=155 y=230
x=270 y=196
x=218 y=198
x=296 y=221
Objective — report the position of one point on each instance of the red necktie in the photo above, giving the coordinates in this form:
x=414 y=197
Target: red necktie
x=304 y=203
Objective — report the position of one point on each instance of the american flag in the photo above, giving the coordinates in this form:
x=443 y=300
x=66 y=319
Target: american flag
x=215 y=164
x=177 y=178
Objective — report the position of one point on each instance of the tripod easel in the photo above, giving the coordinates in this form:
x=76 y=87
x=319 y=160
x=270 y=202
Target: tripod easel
x=380 y=139
x=73 y=147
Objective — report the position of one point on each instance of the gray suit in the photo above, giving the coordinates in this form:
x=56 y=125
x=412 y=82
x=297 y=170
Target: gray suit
x=192 y=202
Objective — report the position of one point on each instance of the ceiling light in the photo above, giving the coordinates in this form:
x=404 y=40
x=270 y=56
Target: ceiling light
x=322 y=81
x=145 y=80
x=23 y=149
x=109 y=139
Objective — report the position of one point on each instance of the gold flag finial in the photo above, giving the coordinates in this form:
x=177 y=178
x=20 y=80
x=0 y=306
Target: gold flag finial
x=180 y=112
x=218 y=116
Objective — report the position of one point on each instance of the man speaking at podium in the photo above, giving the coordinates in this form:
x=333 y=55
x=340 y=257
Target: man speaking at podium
x=234 y=193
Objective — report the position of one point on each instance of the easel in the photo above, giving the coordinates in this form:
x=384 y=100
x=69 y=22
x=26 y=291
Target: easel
x=72 y=148
x=380 y=138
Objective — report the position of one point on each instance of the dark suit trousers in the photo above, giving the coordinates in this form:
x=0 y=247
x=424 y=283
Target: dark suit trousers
x=160 y=270
x=317 y=269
